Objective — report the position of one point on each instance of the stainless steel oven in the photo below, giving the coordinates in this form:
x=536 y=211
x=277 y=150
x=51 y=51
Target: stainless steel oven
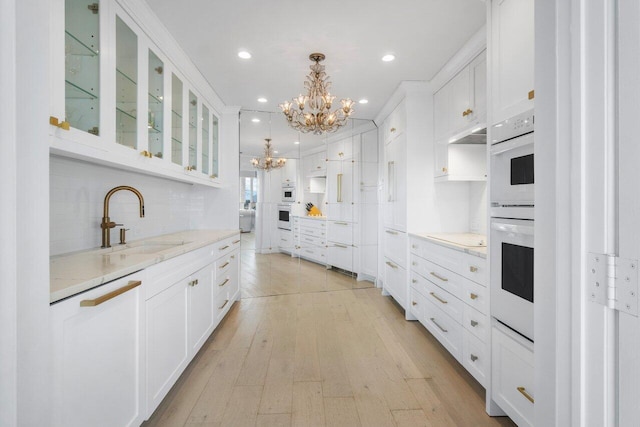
x=512 y=256
x=512 y=162
x=284 y=216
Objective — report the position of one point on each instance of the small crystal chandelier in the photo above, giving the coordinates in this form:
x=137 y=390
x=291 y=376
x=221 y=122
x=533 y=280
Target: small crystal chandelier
x=268 y=162
x=313 y=113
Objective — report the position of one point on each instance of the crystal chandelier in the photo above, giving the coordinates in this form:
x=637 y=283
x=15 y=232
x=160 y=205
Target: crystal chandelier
x=312 y=112
x=268 y=162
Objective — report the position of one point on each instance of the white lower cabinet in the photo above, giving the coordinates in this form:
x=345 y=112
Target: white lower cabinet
x=98 y=356
x=311 y=240
x=395 y=281
x=512 y=375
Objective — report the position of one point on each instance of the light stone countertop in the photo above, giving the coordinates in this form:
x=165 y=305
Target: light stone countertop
x=77 y=272
x=473 y=244
x=310 y=217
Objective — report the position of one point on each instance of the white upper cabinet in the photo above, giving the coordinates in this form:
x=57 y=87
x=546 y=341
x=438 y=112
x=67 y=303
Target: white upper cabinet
x=118 y=100
x=290 y=171
x=512 y=52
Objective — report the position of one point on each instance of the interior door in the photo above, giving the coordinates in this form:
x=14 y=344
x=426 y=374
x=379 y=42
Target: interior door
x=628 y=202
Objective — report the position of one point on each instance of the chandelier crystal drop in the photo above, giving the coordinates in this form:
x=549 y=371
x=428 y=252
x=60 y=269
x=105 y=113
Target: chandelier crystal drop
x=268 y=162
x=312 y=112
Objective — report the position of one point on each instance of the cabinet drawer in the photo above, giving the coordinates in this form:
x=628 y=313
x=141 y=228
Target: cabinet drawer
x=476 y=323
x=442 y=299
x=312 y=231
x=475 y=295
x=224 y=264
x=225 y=246
x=310 y=240
x=475 y=357
x=469 y=266
x=442 y=277
x=340 y=232
x=341 y=256
x=395 y=246
x=314 y=253
x=221 y=304
x=395 y=281
x=444 y=328
x=474 y=268
x=512 y=375
x=416 y=303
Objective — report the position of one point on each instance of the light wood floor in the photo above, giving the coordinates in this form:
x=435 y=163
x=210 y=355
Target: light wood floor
x=335 y=358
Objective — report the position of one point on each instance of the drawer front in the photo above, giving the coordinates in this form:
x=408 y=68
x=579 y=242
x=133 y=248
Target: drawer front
x=163 y=275
x=224 y=264
x=442 y=299
x=395 y=244
x=476 y=323
x=444 y=328
x=469 y=266
x=416 y=303
x=312 y=231
x=310 y=240
x=512 y=377
x=341 y=256
x=226 y=246
x=475 y=268
x=318 y=224
x=475 y=357
x=314 y=253
x=340 y=232
x=476 y=296
x=221 y=304
x=395 y=281
x=442 y=277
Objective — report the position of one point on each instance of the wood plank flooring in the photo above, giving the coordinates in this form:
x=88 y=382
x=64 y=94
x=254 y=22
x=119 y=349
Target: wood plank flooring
x=335 y=358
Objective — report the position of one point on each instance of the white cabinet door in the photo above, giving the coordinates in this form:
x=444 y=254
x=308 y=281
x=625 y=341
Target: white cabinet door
x=97 y=357
x=167 y=347
x=478 y=94
x=341 y=150
x=396 y=184
x=459 y=107
x=441 y=113
x=512 y=42
x=339 y=199
x=200 y=307
x=289 y=171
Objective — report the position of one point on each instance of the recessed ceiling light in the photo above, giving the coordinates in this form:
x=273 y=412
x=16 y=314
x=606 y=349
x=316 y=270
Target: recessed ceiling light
x=388 y=57
x=261 y=99
x=255 y=120
x=244 y=54
x=363 y=101
x=296 y=142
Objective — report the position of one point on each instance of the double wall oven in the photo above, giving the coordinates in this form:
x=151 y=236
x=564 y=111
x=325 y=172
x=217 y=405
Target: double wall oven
x=512 y=223
x=284 y=216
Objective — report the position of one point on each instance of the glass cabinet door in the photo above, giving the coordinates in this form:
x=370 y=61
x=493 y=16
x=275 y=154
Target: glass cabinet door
x=126 y=84
x=82 y=65
x=193 y=131
x=176 y=120
x=214 y=148
x=205 y=139
x=156 y=104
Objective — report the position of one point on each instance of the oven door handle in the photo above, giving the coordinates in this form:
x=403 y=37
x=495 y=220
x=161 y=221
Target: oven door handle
x=512 y=144
x=512 y=228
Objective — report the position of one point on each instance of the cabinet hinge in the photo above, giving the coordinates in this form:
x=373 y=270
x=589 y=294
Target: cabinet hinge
x=94 y=8
x=613 y=282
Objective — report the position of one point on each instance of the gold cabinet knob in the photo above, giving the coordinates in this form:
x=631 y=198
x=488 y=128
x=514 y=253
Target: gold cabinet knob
x=146 y=154
x=214 y=176
x=532 y=94
x=54 y=121
x=473 y=296
x=190 y=168
x=444 y=169
x=414 y=303
x=473 y=269
x=467 y=112
x=392 y=130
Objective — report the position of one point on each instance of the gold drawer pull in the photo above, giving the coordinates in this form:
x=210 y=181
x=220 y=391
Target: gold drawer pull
x=236 y=241
x=433 y=294
x=337 y=245
x=225 y=282
x=473 y=357
x=190 y=168
x=444 y=169
x=440 y=327
x=395 y=233
x=214 y=176
x=414 y=303
x=341 y=223
x=54 y=121
x=467 y=112
x=110 y=295
x=473 y=269
x=523 y=391
x=223 y=248
x=473 y=296
x=222 y=306
x=390 y=264
x=444 y=279
x=224 y=265
x=474 y=323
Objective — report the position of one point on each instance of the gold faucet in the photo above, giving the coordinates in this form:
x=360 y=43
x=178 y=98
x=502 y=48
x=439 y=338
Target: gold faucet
x=107 y=224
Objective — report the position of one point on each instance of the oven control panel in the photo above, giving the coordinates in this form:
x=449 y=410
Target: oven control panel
x=513 y=127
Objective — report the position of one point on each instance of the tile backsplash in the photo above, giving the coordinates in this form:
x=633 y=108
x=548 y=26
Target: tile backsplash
x=77 y=191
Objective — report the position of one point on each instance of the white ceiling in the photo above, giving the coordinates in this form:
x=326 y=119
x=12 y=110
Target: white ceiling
x=280 y=34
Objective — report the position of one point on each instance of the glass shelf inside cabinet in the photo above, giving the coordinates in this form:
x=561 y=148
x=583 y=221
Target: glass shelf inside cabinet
x=156 y=105
x=204 y=119
x=82 y=66
x=193 y=130
x=126 y=85
x=214 y=147
x=176 y=120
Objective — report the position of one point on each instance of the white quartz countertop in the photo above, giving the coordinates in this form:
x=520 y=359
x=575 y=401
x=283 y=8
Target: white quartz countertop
x=471 y=243
x=80 y=271
x=322 y=217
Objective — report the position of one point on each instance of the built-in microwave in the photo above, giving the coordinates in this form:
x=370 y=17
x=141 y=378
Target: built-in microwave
x=288 y=192
x=512 y=162
x=512 y=254
x=284 y=216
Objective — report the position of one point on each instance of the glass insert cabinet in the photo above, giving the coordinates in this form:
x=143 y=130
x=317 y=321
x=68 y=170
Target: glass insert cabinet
x=116 y=98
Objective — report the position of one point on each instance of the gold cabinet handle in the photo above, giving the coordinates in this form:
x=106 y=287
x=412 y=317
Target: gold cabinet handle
x=473 y=269
x=193 y=283
x=395 y=233
x=341 y=223
x=110 y=295
x=224 y=283
x=190 y=168
x=54 y=121
x=433 y=294
x=444 y=169
x=392 y=265
x=236 y=241
x=414 y=303
x=473 y=296
x=524 y=392
x=392 y=130
x=436 y=275
x=473 y=357
x=222 y=306
x=531 y=94
x=339 y=184
x=224 y=265
x=467 y=112
x=146 y=154
x=223 y=248
x=474 y=323
x=337 y=245
x=440 y=327
x=341 y=154
x=214 y=176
